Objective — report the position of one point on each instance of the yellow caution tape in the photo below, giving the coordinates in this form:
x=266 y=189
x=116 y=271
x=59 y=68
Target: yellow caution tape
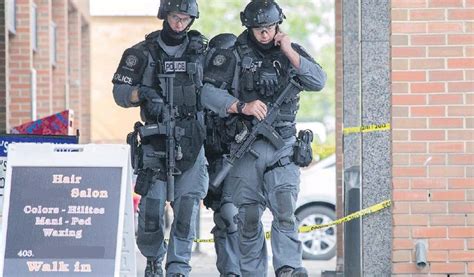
x=306 y=229
x=325 y=150
x=361 y=213
x=204 y=240
x=366 y=129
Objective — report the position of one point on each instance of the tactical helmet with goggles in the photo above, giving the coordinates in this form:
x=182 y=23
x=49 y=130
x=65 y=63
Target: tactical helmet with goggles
x=261 y=13
x=189 y=7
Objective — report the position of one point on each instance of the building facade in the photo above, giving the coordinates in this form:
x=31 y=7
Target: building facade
x=45 y=62
x=433 y=135
x=409 y=63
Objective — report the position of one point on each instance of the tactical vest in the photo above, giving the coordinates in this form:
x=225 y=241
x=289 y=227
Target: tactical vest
x=188 y=78
x=187 y=70
x=263 y=76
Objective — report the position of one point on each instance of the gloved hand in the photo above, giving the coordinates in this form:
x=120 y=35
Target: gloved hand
x=212 y=200
x=151 y=101
x=268 y=83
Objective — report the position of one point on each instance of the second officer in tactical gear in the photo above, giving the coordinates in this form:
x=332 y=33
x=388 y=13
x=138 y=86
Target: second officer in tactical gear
x=263 y=65
x=226 y=240
x=138 y=82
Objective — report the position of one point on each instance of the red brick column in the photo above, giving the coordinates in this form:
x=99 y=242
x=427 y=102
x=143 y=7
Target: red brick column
x=75 y=66
x=20 y=63
x=433 y=121
x=42 y=59
x=3 y=68
x=60 y=74
x=85 y=84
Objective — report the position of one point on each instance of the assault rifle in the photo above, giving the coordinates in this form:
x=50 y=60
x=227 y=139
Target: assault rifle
x=172 y=134
x=264 y=128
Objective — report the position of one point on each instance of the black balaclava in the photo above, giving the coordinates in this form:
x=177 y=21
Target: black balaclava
x=171 y=37
x=262 y=47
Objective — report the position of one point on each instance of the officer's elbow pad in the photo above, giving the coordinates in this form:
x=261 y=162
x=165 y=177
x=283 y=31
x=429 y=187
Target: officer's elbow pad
x=122 y=96
x=321 y=83
x=320 y=86
x=118 y=100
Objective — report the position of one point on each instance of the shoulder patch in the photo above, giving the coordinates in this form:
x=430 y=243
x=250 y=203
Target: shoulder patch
x=219 y=60
x=131 y=67
x=222 y=58
x=220 y=69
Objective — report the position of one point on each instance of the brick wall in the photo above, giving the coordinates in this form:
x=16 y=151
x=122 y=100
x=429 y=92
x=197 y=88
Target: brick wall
x=60 y=80
x=62 y=85
x=3 y=72
x=42 y=59
x=19 y=66
x=74 y=66
x=85 y=83
x=433 y=134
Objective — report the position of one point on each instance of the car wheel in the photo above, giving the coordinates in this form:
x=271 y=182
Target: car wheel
x=319 y=244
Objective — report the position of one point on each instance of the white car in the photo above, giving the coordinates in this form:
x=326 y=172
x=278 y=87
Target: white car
x=317 y=205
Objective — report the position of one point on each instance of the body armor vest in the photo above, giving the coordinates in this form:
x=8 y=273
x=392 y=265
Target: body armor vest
x=188 y=78
x=187 y=70
x=263 y=75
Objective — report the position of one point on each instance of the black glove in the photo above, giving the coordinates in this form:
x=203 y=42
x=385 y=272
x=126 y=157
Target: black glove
x=268 y=83
x=151 y=101
x=212 y=200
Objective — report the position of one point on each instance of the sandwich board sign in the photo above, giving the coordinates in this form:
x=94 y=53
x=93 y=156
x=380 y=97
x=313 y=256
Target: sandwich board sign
x=68 y=211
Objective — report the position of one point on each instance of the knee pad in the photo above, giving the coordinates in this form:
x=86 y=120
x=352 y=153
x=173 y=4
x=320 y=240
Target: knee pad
x=250 y=221
x=228 y=212
x=187 y=205
x=284 y=209
x=154 y=211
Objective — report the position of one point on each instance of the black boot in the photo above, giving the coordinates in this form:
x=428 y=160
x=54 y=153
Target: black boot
x=284 y=271
x=153 y=268
x=288 y=271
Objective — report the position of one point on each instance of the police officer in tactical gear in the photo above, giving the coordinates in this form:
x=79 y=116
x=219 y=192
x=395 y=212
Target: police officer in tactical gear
x=225 y=230
x=173 y=50
x=260 y=67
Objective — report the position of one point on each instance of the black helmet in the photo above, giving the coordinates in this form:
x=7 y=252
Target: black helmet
x=183 y=6
x=223 y=41
x=260 y=13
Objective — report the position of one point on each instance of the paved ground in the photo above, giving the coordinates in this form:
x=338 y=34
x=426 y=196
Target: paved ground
x=203 y=260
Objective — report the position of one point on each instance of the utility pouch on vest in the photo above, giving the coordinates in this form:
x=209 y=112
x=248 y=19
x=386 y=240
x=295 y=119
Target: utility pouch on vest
x=302 y=151
x=135 y=149
x=144 y=181
x=190 y=143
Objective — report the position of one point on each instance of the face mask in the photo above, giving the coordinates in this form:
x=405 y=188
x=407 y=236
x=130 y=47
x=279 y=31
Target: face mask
x=170 y=37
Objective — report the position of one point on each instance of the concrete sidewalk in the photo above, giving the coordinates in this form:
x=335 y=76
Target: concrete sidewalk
x=203 y=264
